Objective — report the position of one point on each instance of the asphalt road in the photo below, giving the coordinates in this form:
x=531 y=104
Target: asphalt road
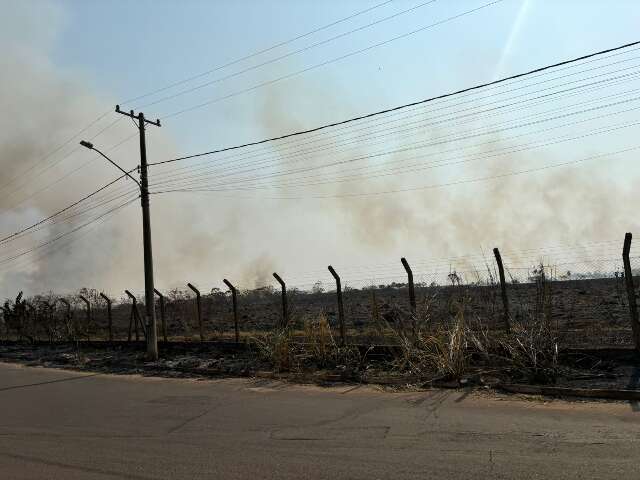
x=64 y=425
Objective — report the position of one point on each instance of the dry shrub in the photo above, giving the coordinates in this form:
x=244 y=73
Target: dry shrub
x=324 y=351
x=276 y=348
x=443 y=352
x=532 y=350
x=528 y=352
x=532 y=345
x=320 y=342
x=446 y=351
x=320 y=350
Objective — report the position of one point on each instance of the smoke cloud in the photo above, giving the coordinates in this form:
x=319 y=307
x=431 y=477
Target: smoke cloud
x=202 y=239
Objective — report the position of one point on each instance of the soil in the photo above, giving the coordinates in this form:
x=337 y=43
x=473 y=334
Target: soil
x=601 y=368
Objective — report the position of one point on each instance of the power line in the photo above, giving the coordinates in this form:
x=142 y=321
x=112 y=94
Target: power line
x=70 y=239
x=328 y=62
x=482 y=131
x=52 y=152
x=411 y=146
x=409 y=168
x=286 y=55
x=400 y=107
x=432 y=186
x=108 y=112
x=66 y=175
x=255 y=54
x=71 y=172
x=320 y=136
x=416 y=167
x=68 y=207
x=99 y=190
x=353 y=53
x=9 y=259
x=74 y=213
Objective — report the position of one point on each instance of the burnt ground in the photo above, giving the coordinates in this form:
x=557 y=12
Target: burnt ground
x=586 y=313
x=590 y=320
x=577 y=368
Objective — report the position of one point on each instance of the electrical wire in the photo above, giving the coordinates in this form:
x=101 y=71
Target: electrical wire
x=282 y=146
x=286 y=55
x=167 y=87
x=432 y=186
x=475 y=133
x=412 y=146
x=328 y=62
x=52 y=152
x=400 y=107
x=63 y=235
x=418 y=167
x=257 y=53
x=75 y=213
x=68 y=207
x=54 y=246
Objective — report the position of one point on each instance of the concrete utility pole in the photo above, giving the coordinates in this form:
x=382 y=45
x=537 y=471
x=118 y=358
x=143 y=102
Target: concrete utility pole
x=149 y=299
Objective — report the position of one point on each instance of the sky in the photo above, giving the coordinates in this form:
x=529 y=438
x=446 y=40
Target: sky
x=67 y=63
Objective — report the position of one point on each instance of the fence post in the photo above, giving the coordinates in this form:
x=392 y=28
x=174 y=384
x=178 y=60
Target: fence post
x=109 y=318
x=135 y=316
x=162 y=315
x=631 y=292
x=285 y=312
x=70 y=327
x=199 y=308
x=235 y=308
x=86 y=301
x=52 y=317
x=29 y=312
x=5 y=321
x=503 y=290
x=340 y=305
x=412 y=295
x=49 y=321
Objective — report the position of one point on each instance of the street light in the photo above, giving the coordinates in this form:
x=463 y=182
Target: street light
x=152 y=339
x=90 y=146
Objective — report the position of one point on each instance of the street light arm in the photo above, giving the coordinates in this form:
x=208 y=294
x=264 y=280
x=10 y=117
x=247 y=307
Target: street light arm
x=90 y=146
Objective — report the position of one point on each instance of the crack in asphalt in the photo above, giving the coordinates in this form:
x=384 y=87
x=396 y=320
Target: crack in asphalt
x=29 y=458
x=28 y=385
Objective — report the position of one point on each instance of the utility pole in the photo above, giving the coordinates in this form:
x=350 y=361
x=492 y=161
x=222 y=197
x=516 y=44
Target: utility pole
x=149 y=300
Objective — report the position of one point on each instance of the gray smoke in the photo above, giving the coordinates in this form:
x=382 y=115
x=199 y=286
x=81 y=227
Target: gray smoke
x=202 y=239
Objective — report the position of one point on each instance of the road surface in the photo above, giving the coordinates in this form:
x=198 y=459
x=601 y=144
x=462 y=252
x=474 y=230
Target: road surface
x=58 y=424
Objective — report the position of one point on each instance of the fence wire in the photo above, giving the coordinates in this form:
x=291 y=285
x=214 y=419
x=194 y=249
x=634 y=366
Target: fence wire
x=585 y=299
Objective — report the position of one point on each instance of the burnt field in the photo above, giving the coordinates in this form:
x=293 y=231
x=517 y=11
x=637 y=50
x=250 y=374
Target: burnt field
x=565 y=333
x=583 y=313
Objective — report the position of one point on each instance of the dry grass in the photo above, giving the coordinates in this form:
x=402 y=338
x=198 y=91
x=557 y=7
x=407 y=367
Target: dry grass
x=319 y=351
x=441 y=352
x=320 y=341
x=276 y=348
x=529 y=352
